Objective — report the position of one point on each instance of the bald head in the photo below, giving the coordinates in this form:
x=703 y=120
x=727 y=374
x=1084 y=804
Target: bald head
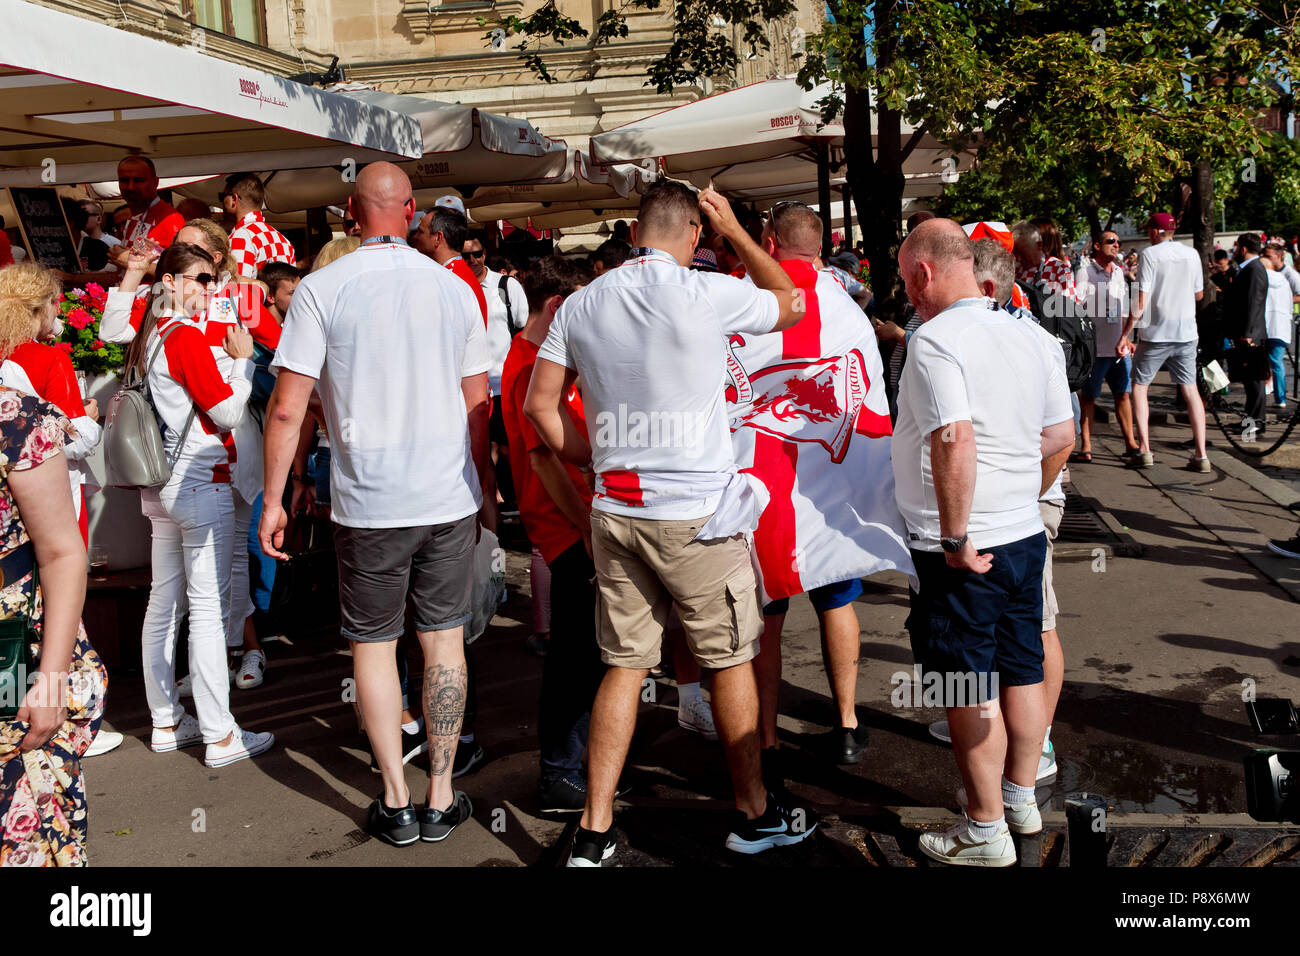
x=381 y=203
x=937 y=261
x=795 y=232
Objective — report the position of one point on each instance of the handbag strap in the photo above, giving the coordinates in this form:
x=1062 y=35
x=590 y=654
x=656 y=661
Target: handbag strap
x=180 y=446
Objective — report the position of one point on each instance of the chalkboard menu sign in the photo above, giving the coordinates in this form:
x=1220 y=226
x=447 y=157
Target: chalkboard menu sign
x=44 y=227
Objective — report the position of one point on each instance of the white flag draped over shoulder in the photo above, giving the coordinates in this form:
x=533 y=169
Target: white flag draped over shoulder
x=810 y=422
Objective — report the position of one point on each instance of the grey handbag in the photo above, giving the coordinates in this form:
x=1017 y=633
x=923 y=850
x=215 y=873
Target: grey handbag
x=134 y=455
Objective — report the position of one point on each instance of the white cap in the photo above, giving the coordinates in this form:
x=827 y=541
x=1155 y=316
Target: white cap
x=452 y=202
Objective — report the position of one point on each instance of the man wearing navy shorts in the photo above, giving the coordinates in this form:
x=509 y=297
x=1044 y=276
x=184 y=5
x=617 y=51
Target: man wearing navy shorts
x=984 y=415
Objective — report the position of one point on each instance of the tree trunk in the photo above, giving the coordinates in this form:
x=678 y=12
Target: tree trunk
x=1200 y=219
x=1093 y=212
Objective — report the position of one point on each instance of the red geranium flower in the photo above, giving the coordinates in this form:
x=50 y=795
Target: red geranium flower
x=80 y=318
x=97 y=345
x=65 y=346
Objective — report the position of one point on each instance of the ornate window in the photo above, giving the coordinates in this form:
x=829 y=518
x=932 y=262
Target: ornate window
x=245 y=19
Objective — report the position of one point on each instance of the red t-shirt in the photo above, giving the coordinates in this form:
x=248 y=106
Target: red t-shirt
x=462 y=269
x=50 y=371
x=160 y=222
x=6 y=250
x=548 y=528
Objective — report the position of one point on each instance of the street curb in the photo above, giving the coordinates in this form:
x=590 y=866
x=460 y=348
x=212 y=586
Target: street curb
x=1276 y=491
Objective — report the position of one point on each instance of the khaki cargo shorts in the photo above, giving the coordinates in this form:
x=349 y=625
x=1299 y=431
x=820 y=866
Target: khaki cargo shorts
x=644 y=566
x=1051 y=513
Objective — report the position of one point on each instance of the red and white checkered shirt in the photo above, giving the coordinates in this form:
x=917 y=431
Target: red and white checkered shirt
x=1052 y=275
x=254 y=243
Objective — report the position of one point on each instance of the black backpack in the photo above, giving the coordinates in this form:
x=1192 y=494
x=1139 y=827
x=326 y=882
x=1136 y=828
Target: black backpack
x=1062 y=315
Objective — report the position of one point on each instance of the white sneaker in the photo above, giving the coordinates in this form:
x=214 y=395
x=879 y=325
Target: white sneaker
x=939 y=731
x=243 y=743
x=104 y=741
x=187 y=734
x=1025 y=820
x=698 y=717
x=1047 y=765
x=958 y=847
x=252 y=671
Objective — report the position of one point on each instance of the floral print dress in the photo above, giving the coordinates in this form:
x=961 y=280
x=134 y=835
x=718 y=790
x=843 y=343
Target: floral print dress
x=42 y=795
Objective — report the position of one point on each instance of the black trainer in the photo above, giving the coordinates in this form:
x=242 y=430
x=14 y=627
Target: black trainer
x=469 y=757
x=850 y=744
x=563 y=795
x=398 y=827
x=591 y=848
x=776 y=827
x=436 y=825
x=1288 y=549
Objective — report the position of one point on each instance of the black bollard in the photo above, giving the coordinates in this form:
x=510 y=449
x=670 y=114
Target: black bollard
x=1085 y=814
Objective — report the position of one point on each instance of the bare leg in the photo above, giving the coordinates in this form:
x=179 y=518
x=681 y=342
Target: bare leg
x=1087 y=409
x=841 y=647
x=1124 y=412
x=767 y=675
x=445 y=678
x=685 y=668
x=1053 y=673
x=1026 y=721
x=735 y=711
x=250 y=636
x=1196 y=414
x=1141 y=417
x=379 y=697
x=979 y=743
x=613 y=718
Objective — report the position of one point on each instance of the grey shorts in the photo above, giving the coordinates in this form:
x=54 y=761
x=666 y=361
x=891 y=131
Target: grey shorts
x=1051 y=512
x=1179 y=357
x=377 y=567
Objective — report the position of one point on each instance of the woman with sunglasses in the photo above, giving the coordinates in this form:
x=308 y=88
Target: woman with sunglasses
x=193 y=515
x=236 y=302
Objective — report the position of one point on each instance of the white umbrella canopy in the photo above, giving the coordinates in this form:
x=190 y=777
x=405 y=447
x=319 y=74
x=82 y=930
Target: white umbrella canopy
x=583 y=182
x=68 y=117
x=463 y=146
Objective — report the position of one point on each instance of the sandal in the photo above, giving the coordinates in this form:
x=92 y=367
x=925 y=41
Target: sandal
x=1081 y=456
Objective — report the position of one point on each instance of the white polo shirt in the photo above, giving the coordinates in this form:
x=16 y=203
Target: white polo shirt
x=1105 y=300
x=974 y=362
x=390 y=334
x=1279 y=306
x=649 y=340
x=1170 y=275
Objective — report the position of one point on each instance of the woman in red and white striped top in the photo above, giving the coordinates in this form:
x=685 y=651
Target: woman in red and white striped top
x=193 y=514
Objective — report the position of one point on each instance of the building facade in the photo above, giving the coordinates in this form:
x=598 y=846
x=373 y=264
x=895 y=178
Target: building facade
x=445 y=51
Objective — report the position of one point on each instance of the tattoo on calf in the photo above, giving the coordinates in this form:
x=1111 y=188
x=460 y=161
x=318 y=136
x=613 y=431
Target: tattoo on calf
x=444 y=710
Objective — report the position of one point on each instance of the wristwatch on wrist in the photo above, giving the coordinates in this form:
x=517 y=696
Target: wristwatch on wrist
x=954 y=545
x=301 y=478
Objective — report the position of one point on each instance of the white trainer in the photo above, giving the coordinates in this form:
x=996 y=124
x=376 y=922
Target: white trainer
x=697 y=716
x=252 y=671
x=1026 y=820
x=243 y=744
x=939 y=731
x=104 y=741
x=186 y=734
x=958 y=847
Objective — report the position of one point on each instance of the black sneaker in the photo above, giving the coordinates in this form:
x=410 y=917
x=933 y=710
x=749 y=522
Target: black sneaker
x=436 y=825
x=850 y=744
x=563 y=795
x=398 y=827
x=591 y=848
x=776 y=827
x=469 y=757
x=412 y=746
x=1289 y=548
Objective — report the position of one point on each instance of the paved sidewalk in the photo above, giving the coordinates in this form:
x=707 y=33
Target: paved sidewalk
x=1158 y=650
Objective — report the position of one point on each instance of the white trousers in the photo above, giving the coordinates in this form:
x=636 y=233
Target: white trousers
x=241 y=598
x=193 y=543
